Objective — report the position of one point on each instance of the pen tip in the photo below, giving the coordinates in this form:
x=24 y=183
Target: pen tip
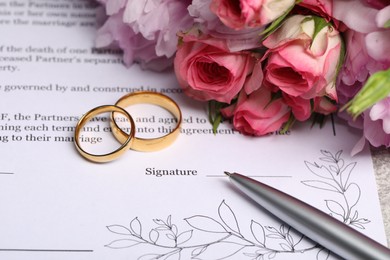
x=227 y=173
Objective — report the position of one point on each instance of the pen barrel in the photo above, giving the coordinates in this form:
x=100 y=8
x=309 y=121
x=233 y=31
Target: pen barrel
x=311 y=222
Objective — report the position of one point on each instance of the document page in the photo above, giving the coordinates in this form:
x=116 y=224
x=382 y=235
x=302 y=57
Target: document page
x=175 y=203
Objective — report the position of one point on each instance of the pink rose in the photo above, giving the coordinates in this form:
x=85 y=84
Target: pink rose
x=209 y=23
x=300 y=107
x=300 y=62
x=256 y=114
x=249 y=13
x=324 y=106
x=206 y=70
x=321 y=7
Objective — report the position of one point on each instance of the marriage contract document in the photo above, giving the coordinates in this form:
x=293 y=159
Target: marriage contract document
x=175 y=203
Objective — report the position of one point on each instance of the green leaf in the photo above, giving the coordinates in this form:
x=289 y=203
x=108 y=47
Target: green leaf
x=341 y=57
x=288 y=124
x=278 y=22
x=215 y=116
x=387 y=24
x=319 y=24
x=216 y=122
x=376 y=88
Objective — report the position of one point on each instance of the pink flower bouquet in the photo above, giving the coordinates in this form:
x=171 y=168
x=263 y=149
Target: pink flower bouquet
x=266 y=63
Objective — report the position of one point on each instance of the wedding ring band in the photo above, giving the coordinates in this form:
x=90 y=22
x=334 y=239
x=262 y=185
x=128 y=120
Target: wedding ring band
x=126 y=141
x=154 y=98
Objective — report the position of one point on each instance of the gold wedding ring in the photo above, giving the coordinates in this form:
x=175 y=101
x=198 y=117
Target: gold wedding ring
x=154 y=98
x=126 y=141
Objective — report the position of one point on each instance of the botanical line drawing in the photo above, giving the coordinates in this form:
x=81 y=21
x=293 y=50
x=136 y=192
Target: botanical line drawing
x=223 y=235
x=335 y=177
x=264 y=242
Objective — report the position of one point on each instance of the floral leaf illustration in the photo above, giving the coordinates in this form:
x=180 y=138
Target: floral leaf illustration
x=184 y=237
x=277 y=236
x=162 y=228
x=290 y=239
x=221 y=250
x=338 y=155
x=323 y=254
x=136 y=227
x=335 y=208
x=355 y=216
x=326 y=153
x=197 y=251
x=263 y=251
x=252 y=255
x=119 y=229
x=172 y=256
x=346 y=173
x=352 y=194
x=258 y=232
x=224 y=247
x=153 y=236
x=334 y=169
x=274 y=233
x=320 y=171
x=360 y=222
x=174 y=229
x=285 y=246
x=228 y=218
x=160 y=222
x=327 y=159
x=170 y=236
x=149 y=257
x=283 y=229
x=272 y=229
x=363 y=221
x=321 y=185
x=301 y=237
x=123 y=243
x=205 y=223
x=358 y=225
x=340 y=163
x=272 y=255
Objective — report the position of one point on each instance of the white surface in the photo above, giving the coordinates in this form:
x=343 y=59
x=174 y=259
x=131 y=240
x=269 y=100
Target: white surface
x=56 y=204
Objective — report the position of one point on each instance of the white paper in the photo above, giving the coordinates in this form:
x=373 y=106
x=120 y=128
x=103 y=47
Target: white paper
x=57 y=205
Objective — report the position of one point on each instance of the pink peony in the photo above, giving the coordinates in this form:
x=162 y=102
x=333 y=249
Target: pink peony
x=300 y=63
x=206 y=70
x=376 y=125
x=256 y=114
x=368 y=47
x=249 y=13
x=144 y=29
x=209 y=23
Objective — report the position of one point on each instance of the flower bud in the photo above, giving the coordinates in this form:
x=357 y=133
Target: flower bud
x=376 y=88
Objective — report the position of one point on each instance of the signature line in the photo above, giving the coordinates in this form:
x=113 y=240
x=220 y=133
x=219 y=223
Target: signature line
x=255 y=176
x=45 y=250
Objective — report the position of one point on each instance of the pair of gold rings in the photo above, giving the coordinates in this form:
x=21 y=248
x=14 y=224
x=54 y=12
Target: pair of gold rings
x=129 y=140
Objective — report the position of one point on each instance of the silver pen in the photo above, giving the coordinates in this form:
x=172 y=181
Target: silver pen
x=312 y=222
